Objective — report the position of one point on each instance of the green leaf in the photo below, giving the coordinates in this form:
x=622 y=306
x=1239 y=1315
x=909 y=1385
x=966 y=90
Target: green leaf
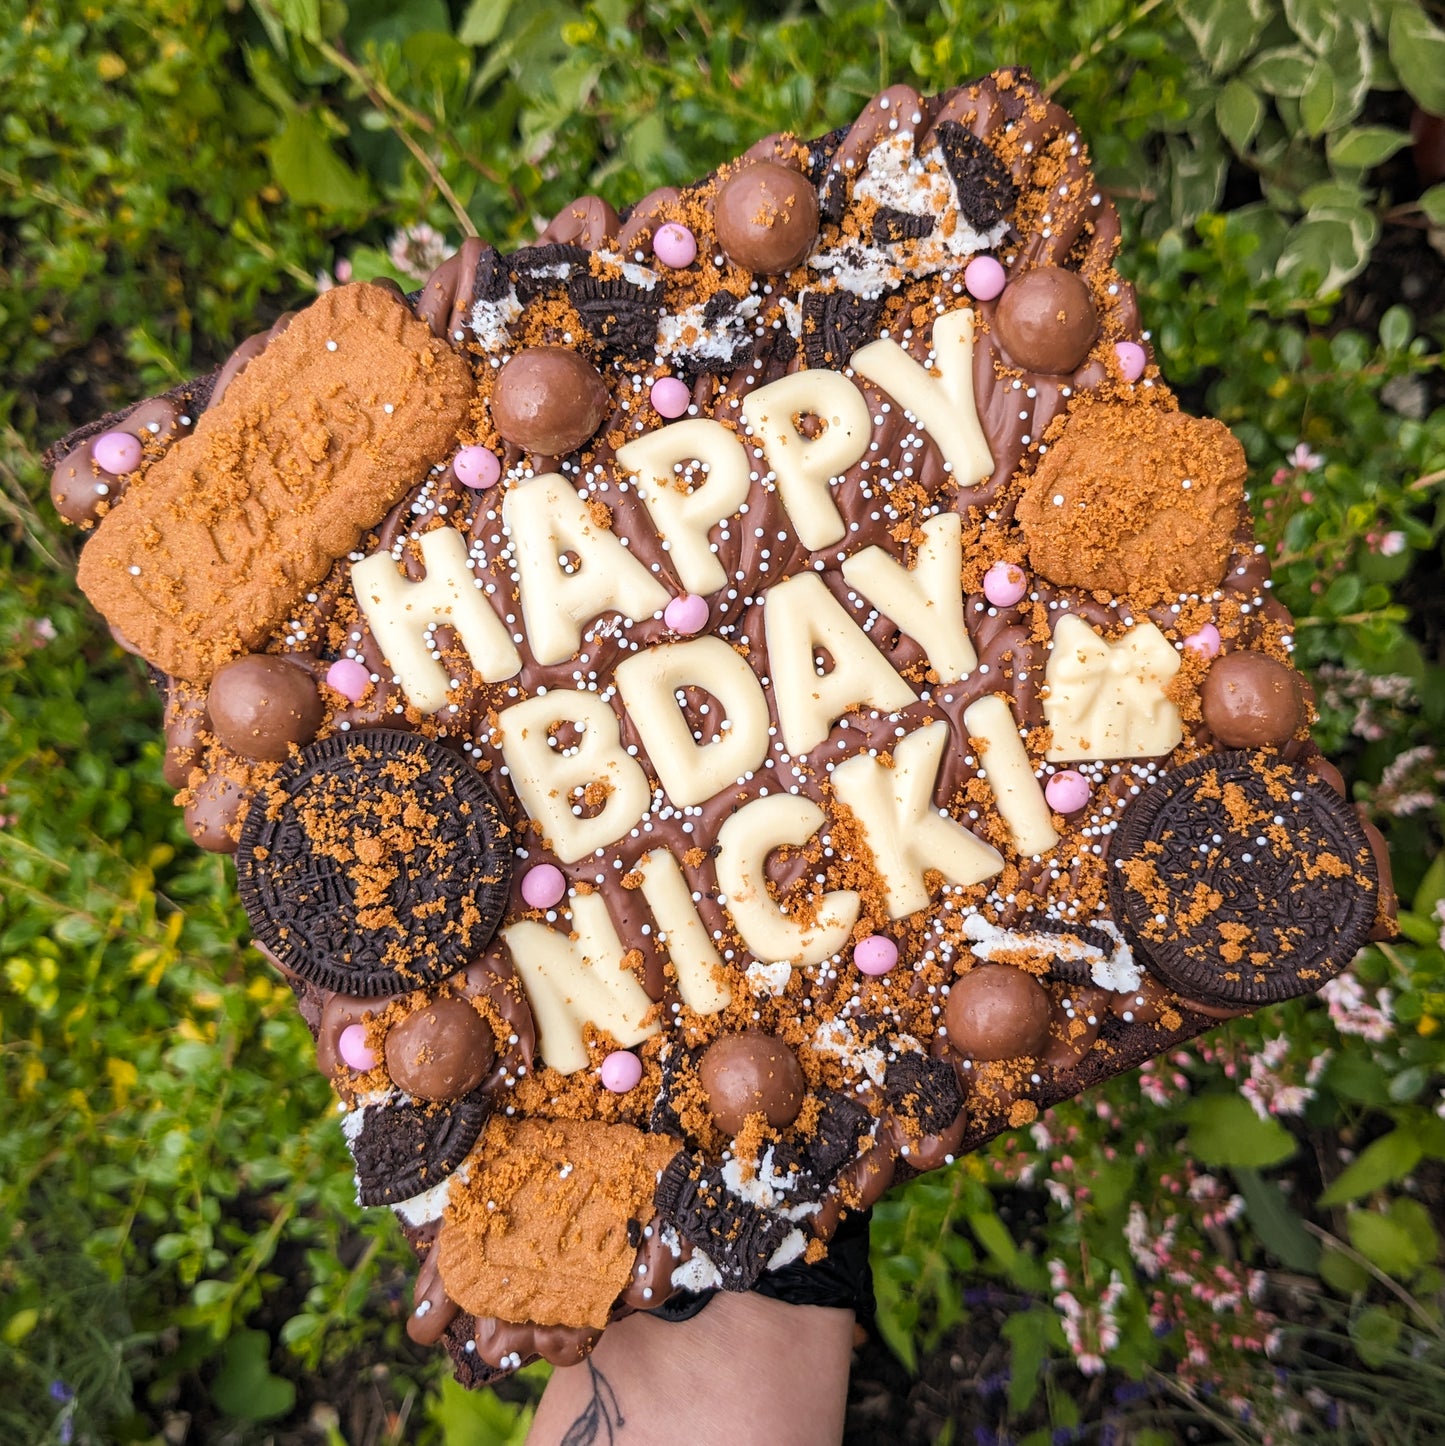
x=1238 y=111
x=309 y=170
x=1397 y=326
x=1285 y=70
x=1432 y=886
x=1362 y=147
x=245 y=1385
x=1343 y=1273
x=1274 y=1221
x=1224 y=1130
x=483 y=21
x=1028 y=1333
x=1317 y=101
x=300 y=17
x=1432 y=203
x=1225 y=31
x=1316 y=22
x=1385 y=1243
x=1375 y=1333
x=478 y=1418
x=20 y=1325
x=1417 y=51
x=1325 y=250
x=1388 y=1159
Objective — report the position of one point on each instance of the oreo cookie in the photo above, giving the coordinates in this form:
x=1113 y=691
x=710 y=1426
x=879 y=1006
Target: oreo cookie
x=374 y=863
x=891 y=226
x=403 y=1149
x=836 y=324
x=1075 y=970
x=986 y=191
x=537 y=270
x=925 y=1090
x=621 y=317
x=1243 y=879
x=737 y=1237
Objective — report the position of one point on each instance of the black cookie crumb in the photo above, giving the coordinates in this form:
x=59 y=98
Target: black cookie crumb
x=737 y=1237
x=403 y=1148
x=890 y=226
x=836 y=324
x=621 y=317
x=986 y=191
x=923 y=1089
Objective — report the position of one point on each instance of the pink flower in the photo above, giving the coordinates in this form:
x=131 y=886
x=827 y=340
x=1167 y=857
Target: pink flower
x=1305 y=460
x=1391 y=544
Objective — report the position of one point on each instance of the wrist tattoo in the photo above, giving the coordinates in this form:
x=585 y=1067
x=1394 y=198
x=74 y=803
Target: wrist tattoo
x=601 y=1419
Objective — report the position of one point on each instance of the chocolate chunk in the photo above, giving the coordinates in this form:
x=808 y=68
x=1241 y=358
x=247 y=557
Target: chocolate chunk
x=1243 y=880
x=737 y=1237
x=374 y=863
x=621 y=316
x=836 y=324
x=923 y=1089
x=402 y=1150
x=471 y=1370
x=537 y=270
x=986 y=192
x=890 y=226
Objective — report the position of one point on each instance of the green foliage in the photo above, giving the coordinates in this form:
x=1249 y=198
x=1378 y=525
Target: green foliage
x=174 y=1196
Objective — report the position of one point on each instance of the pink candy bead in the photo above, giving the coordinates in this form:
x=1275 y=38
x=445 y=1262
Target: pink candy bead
x=116 y=452
x=1004 y=584
x=1067 y=791
x=543 y=886
x=621 y=1071
x=674 y=245
x=352 y=1048
x=687 y=614
x=477 y=468
x=1206 y=642
x=875 y=954
x=984 y=278
x=671 y=397
x=1132 y=359
x=349 y=678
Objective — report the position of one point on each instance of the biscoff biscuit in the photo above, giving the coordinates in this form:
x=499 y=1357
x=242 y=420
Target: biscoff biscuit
x=308 y=448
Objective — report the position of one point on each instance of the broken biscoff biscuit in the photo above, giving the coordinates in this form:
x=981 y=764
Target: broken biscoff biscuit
x=308 y=448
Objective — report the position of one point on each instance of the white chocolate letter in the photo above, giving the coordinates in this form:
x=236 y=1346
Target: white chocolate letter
x=689 y=771
x=551 y=781
x=744 y=843
x=576 y=980
x=800 y=617
x=926 y=601
x=699 y=968
x=1107 y=700
x=804 y=466
x=399 y=614
x=907 y=834
x=545 y=519
x=1011 y=776
x=682 y=517
x=944 y=404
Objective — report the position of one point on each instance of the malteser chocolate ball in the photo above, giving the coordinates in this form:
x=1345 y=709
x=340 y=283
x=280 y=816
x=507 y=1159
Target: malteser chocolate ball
x=752 y=1073
x=212 y=814
x=997 y=1012
x=441 y=1051
x=548 y=400
x=1251 y=701
x=1046 y=320
x=260 y=705
x=766 y=217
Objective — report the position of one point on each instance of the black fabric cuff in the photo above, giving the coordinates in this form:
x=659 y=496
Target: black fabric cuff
x=842 y=1280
